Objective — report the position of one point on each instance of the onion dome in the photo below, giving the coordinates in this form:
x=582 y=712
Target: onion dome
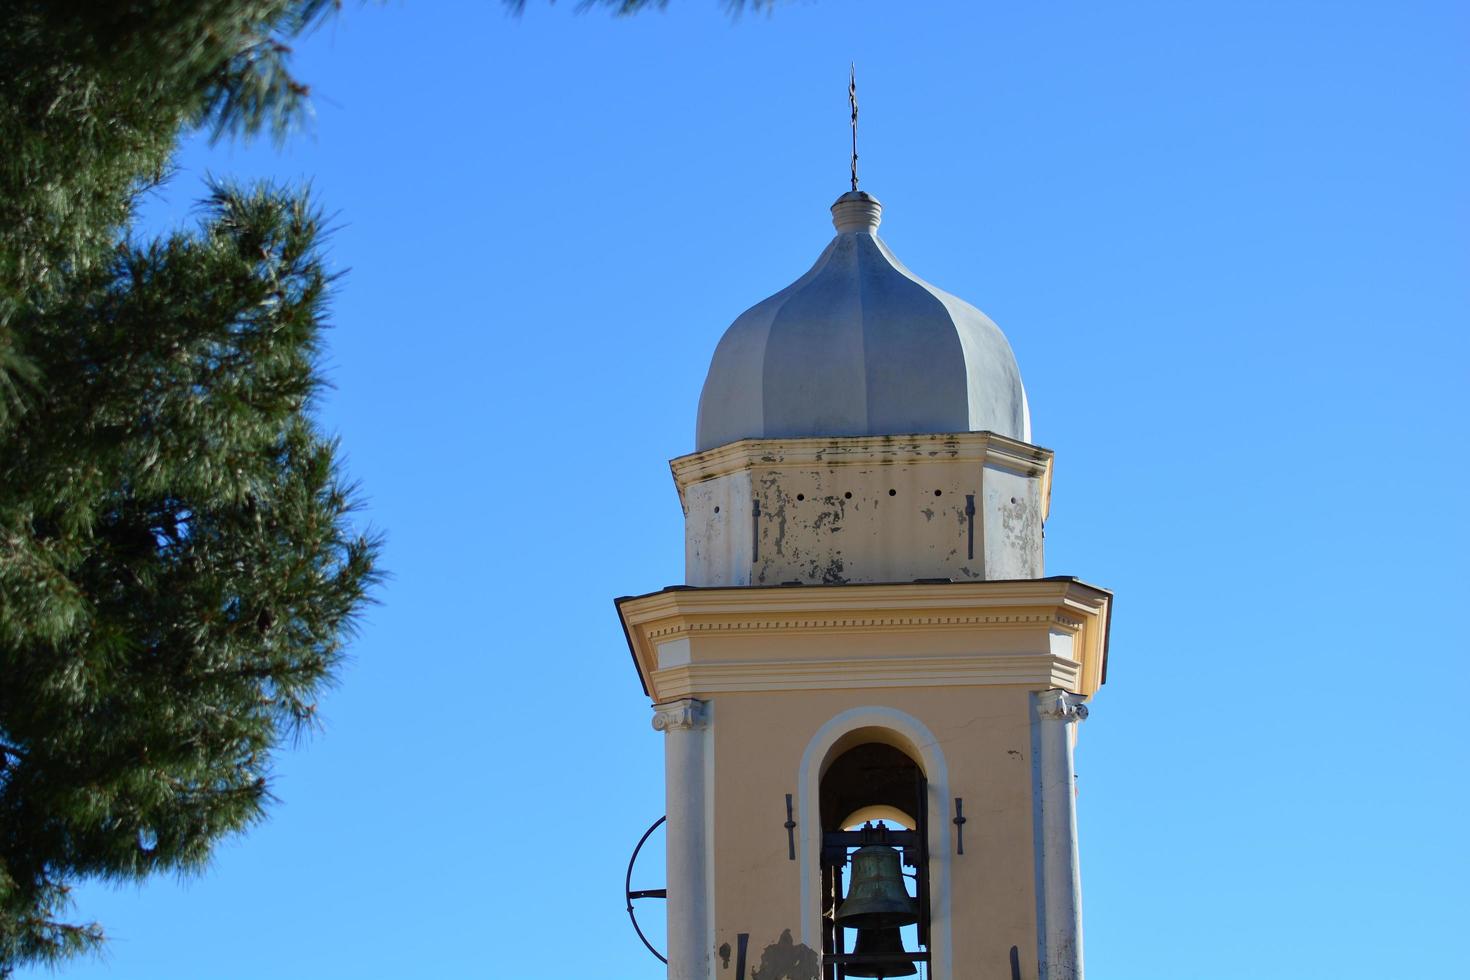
x=860 y=346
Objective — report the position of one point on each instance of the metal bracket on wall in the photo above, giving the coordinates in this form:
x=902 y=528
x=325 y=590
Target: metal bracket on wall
x=790 y=831
x=959 y=824
x=755 y=530
x=970 y=521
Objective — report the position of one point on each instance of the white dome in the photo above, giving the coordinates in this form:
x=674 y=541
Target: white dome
x=860 y=346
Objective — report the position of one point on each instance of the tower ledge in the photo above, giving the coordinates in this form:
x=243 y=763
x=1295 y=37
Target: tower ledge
x=1034 y=633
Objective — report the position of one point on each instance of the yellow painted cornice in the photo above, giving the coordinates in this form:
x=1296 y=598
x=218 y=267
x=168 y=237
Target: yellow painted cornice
x=1015 y=624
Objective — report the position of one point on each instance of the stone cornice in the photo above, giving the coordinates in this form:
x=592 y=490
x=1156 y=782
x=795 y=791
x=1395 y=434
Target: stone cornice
x=983 y=448
x=1035 y=608
x=1065 y=600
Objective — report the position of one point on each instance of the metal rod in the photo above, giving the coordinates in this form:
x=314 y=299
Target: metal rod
x=921 y=884
x=790 y=831
x=650 y=893
x=852 y=100
x=755 y=530
x=970 y=521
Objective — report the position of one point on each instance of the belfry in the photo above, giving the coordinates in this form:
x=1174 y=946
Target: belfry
x=868 y=687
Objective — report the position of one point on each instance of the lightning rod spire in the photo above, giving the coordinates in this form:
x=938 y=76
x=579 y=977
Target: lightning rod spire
x=852 y=100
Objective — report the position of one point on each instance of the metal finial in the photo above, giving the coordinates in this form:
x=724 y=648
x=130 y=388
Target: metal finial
x=852 y=99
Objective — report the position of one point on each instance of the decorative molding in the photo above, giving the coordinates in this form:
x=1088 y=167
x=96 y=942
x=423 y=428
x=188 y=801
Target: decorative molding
x=685 y=714
x=728 y=629
x=1015 y=595
x=659 y=634
x=984 y=448
x=1033 y=669
x=1063 y=706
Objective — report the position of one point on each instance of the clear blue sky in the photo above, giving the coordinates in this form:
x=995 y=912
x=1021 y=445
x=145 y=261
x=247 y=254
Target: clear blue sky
x=1228 y=242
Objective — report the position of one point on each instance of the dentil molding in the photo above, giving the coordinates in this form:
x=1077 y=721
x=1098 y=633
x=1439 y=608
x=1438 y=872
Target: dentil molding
x=855 y=623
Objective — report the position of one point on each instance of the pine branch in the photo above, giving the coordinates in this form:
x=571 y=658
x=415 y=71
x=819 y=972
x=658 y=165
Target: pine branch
x=178 y=559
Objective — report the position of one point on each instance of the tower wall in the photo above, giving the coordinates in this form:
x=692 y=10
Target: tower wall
x=962 y=506
x=980 y=684
x=984 y=900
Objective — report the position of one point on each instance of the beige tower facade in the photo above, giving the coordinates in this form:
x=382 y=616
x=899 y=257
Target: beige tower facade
x=866 y=652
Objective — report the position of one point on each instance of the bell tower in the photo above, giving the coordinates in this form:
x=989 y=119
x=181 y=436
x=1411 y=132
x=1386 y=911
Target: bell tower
x=868 y=688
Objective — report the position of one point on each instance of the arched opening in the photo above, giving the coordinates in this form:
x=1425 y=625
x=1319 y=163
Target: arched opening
x=875 y=881
x=873 y=776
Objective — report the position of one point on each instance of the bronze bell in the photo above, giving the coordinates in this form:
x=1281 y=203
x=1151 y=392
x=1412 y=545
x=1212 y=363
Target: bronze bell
x=876 y=898
x=885 y=943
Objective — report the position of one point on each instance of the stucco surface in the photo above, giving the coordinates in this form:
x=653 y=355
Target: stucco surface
x=960 y=506
x=984 y=736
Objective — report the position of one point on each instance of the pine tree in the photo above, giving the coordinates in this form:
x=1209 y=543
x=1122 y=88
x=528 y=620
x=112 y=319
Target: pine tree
x=178 y=569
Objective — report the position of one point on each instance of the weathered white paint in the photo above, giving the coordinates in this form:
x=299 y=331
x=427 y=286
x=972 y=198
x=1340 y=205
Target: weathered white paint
x=860 y=346
x=717 y=538
x=1059 y=877
x=690 y=810
x=914 y=738
x=1012 y=512
x=873 y=509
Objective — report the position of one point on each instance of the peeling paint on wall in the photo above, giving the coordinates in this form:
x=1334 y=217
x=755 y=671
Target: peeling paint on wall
x=874 y=511
x=786 y=959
